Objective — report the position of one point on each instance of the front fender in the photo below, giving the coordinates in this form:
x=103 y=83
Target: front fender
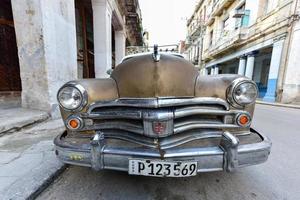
x=216 y=86
x=97 y=90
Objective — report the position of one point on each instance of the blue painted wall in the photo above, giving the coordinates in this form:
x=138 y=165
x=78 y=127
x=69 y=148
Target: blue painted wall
x=270 y=96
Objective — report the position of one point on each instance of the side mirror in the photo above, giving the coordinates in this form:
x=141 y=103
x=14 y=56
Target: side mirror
x=109 y=72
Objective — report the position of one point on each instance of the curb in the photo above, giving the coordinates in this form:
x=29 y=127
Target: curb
x=279 y=104
x=47 y=183
x=38 y=178
x=23 y=123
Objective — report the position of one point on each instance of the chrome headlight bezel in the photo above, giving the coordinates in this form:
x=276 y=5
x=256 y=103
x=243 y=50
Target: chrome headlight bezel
x=231 y=98
x=83 y=93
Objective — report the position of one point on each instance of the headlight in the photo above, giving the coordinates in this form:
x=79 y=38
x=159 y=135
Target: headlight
x=242 y=92
x=72 y=97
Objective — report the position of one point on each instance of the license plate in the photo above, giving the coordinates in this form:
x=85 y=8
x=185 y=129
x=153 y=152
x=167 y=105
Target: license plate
x=162 y=168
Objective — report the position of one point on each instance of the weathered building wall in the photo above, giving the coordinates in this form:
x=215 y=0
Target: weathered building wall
x=46 y=39
x=47 y=48
x=258 y=37
x=291 y=82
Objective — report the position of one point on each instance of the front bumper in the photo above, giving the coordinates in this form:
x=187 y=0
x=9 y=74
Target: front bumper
x=227 y=156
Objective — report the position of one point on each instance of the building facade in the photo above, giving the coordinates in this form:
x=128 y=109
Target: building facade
x=45 y=43
x=255 y=38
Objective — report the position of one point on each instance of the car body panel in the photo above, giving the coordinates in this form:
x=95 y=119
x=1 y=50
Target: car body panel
x=159 y=107
x=142 y=77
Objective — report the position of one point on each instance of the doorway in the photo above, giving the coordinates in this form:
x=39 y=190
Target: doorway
x=10 y=80
x=85 y=38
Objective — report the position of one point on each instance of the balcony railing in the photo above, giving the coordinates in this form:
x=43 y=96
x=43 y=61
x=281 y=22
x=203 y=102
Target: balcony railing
x=227 y=40
x=217 y=9
x=219 y=6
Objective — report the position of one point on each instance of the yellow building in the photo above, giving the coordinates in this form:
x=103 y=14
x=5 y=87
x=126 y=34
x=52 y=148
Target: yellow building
x=255 y=38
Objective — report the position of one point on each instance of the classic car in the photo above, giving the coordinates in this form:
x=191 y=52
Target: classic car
x=156 y=116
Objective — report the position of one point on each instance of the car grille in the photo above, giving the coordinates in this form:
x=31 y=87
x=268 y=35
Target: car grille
x=180 y=115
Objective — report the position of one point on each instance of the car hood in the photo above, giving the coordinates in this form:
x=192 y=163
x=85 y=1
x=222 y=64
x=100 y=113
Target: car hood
x=143 y=77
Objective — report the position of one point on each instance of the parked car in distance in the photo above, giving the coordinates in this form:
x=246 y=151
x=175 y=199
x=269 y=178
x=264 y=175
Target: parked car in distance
x=156 y=116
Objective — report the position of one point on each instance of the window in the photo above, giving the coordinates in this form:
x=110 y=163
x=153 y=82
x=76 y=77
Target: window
x=211 y=34
x=201 y=21
x=204 y=14
x=225 y=24
x=198 y=51
x=242 y=17
x=245 y=19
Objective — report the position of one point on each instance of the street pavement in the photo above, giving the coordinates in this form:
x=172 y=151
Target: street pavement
x=278 y=178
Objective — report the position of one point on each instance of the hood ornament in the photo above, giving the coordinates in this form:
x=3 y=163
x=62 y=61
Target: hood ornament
x=156 y=55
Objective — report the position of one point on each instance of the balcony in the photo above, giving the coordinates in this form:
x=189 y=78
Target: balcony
x=219 y=6
x=226 y=41
x=196 y=32
x=210 y=20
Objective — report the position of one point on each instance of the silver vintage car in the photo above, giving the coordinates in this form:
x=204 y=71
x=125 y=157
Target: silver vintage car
x=156 y=116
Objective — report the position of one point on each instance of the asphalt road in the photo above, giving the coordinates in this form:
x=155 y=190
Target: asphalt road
x=278 y=178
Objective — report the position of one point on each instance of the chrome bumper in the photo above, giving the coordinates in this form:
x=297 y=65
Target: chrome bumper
x=228 y=156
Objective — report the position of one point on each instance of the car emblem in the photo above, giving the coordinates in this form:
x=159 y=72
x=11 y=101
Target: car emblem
x=159 y=127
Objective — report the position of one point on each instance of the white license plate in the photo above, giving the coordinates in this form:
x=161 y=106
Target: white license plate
x=162 y=168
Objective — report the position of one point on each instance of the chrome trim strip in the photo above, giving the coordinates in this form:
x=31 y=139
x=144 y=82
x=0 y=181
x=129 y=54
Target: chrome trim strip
x=116 y=126
x=183 y=112
x=164 y=143
x=158 y=102
x=186 y=139
x=196 y=126
x=116 y=115
x=197 y=121
x=170 y=153
x=192 y=101
x=178 y=113
x=160 y=115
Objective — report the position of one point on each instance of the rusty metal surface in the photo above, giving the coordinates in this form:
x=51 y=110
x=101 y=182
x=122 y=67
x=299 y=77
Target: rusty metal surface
x=142 y=77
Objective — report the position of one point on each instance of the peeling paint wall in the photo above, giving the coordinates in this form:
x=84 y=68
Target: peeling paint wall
x=291 y=85
x=46 y=39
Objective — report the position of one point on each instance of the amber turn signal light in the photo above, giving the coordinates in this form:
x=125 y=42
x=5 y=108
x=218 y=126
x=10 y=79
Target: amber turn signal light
x=243 y=120
x=74 y=123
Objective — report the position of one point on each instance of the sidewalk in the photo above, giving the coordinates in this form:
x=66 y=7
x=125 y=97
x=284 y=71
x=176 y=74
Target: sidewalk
x=278 y=104
x=27 y=159
x=13 y=119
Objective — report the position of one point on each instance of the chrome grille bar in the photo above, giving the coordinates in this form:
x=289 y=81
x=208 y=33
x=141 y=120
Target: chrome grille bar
x=199 y=126
x=164 y=143
x=183 y=112
x=159 y=102
x=186 y=114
